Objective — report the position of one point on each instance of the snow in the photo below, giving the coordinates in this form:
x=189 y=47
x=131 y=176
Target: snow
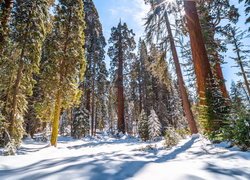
x=106 y=158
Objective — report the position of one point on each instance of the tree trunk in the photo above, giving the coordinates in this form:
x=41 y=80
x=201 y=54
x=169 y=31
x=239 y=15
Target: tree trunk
x=181 y=87
x=242 y=70
x=93 y=97
x=201 y=63
x=120 y=90
x=56 y=119
x=15 y=95
x=88 y=92
x=220 y=78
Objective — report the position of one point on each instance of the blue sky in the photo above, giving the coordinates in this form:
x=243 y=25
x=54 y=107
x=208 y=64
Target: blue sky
x=133 y=11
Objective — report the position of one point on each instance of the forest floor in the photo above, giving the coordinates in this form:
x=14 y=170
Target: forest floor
x=105 y=158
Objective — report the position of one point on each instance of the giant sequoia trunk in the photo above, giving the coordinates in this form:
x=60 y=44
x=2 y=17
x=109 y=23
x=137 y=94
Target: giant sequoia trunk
x=120 y=90
x=201 y=63
x=181 y=84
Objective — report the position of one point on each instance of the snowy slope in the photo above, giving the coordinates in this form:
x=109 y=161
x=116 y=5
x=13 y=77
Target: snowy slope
x=107 y=158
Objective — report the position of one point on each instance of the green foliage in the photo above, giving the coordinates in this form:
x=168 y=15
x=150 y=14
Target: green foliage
x=238 y=132
x=20 y=60
x=80 y=125
x=171 y=137
x=213 y=115
x=143 y=126
x=238 y=126
x=63 y=63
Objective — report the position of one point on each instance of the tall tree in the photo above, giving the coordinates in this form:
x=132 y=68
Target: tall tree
x=200 y=58
x=95 y=54
x=122 y=40
x=235 y=37
x=28 y=33
x=212 y=13
x=64 y=64
x=156 y=18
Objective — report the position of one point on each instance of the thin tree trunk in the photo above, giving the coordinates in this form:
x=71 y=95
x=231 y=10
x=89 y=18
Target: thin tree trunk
x=93 y=97
x=56 y=119
x=95 y=120
x=239 y=61
x=15 y=94
x=220 y=78
x=181 y=87
x=88 y=92
x=201 y=63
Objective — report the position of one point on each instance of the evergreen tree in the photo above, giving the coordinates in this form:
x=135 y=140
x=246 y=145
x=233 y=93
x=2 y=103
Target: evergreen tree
x=28 y=32
x=64 y=62
x=154 y=125
x=96 y=73
x=143 y=127
x=235 y=37
x=80 y=124
x=120 y=52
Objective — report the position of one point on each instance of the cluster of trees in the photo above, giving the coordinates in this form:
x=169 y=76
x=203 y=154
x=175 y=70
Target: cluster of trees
x=53 y=72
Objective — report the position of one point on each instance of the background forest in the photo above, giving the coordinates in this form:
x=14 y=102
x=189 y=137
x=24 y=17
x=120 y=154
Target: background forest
x=54 y=77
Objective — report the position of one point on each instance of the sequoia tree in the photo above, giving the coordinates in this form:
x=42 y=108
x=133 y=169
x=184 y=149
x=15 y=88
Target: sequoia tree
x=122 y=44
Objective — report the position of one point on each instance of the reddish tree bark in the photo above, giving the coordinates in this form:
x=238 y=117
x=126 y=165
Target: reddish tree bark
x=181 y=84
x=120 y=90
x=201 y=63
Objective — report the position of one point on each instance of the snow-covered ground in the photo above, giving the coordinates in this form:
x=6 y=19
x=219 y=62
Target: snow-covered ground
x=112 y=159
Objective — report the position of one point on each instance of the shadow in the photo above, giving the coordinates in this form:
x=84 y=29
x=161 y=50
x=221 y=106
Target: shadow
x=26 y=150
x=234 y=173
x=101 y=143
x=107 y=166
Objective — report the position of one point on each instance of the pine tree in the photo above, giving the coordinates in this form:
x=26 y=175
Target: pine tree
x=235 y=37
x=120 y=52
x=154 y=125
x=96 y=73
x=28 y=32
x=80 y=124
x=143 y=126
x=64 y=62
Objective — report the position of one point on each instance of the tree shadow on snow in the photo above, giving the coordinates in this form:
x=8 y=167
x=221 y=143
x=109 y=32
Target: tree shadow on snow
x=101 y=166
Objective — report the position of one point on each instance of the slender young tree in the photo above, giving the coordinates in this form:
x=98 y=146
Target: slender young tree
x=235 y=37
x=64 y=62
x=120 y=52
